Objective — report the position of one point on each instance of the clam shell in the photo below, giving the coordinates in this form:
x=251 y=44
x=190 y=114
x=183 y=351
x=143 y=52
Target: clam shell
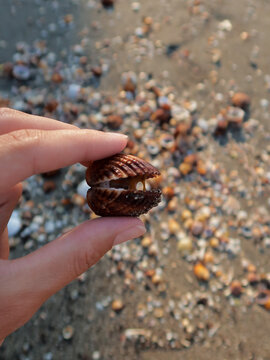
x=110 y=201
x=117 y=167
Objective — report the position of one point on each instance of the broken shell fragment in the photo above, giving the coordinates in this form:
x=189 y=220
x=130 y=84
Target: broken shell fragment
x=118 y=186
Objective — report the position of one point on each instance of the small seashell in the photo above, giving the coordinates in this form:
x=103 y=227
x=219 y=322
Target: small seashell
x=208 y=257
x=235 y=115
x=146 y=241
x=241 y=100
x=118 y=305
x=197 y=228
x=185 y=168
x=162 y=115
x=253 y=278
x=156 y=279
x=21 y=72
x=236 y=288
x=68 y=19
x=115 y=187
x=173 y=204
x=263 y=299
x=201 y=169
x=78 y=200
x=201 y=272
x=56 y=78
x=129 y=81
x=168 y=192
x=49 y=186
x=51 y=106
x=214 y=243
x=185 y=245
x=159 y=313
x=167 y=141
x=182 y=129
x=114 y=121
x=174 y=227
x=222 y=123
x=186 y=214
x=97 y=71
x=68 y=332
x=191 y=159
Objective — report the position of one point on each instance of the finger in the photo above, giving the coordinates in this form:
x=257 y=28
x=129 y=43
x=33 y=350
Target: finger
x=27 y=152
x=11 y=120
x=50 y=268
x=8 y=201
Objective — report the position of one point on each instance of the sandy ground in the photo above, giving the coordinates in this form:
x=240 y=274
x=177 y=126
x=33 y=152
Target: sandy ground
x=243 y=332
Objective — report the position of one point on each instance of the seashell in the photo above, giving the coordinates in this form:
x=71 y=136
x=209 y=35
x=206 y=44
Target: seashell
x=166 y=141
x=191 y=159
x=235 y=115
x=117 y=305
x=241 y=100
x=114 y=185
x=236 y=288
x=114 y=122
x=168 y=192
x=263 y=298
x=162 y=115
x=97 y=71
x=182 y=129
x=201 y=272
x=185 y=168
x=129 y=82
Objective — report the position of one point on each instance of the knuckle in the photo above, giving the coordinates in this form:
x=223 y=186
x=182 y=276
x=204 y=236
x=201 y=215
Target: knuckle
x=31 y=136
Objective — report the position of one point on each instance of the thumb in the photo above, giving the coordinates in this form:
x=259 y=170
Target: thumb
x=52 y=267
x=37 y=276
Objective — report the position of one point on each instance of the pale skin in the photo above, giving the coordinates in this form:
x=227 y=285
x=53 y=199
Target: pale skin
x=32 y=145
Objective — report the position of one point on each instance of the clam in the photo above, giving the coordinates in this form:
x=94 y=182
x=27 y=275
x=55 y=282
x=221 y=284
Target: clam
x=118 y=186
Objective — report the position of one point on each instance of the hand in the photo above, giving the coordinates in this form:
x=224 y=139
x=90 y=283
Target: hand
x=31 y=145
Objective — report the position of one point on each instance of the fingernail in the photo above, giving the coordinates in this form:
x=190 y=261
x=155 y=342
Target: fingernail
x=129 y=234
x=117 y=135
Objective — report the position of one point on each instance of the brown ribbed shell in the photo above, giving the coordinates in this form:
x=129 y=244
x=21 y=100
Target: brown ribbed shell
x=106 y=201
x=117 y=167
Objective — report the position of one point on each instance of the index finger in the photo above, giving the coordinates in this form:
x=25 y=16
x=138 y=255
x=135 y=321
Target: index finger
x=27 y=152
x=11 y=120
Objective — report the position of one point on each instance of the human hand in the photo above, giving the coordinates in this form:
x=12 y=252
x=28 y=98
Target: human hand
x=31 y=145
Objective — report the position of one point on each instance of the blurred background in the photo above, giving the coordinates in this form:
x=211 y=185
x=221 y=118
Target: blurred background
x=189 y=82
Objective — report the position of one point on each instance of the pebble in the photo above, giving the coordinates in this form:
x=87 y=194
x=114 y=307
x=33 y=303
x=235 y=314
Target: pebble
x=73 y=91
x=82 y=188
x=49 y=227
x=14 y=224
x=21 y=72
